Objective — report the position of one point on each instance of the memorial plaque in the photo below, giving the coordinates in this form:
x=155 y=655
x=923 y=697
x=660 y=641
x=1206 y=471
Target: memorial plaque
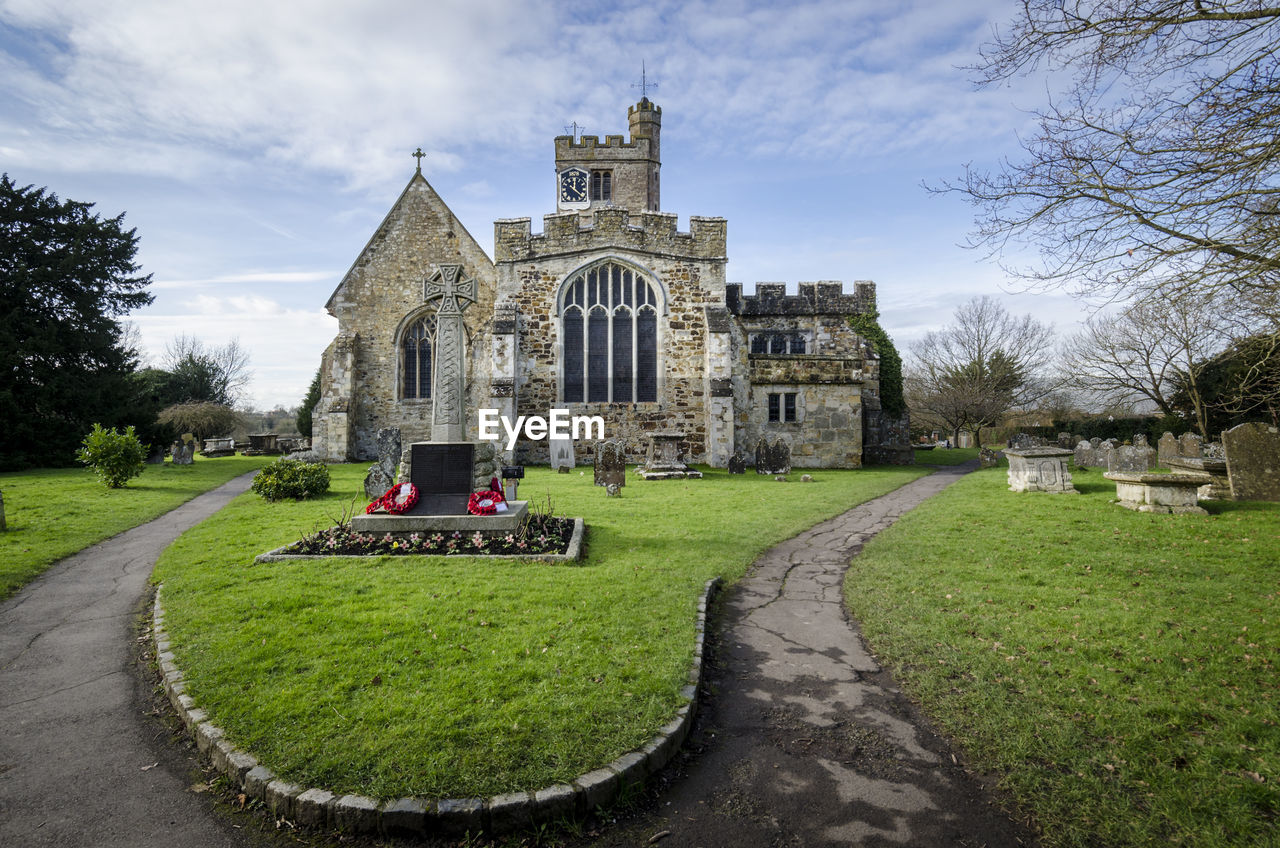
x=443 y=475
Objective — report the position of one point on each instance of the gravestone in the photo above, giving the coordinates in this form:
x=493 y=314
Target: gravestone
x=987 y=458
x=156 y=457
x=1253 y=461
x=3 y=526
x=737 y=465
x=183 y=452
x=218 y=447
x=665 y=460
x=382 y=474
x=1167 y=449
x=1190 y=444
x=1132 y=458
x=1066 y=440
x=610 y=464
x=562 y=457
x=1039 y=469
x=1083 y=455
x=773 y=458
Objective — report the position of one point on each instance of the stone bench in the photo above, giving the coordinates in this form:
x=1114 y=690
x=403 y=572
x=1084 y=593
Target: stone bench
x=1162 y=493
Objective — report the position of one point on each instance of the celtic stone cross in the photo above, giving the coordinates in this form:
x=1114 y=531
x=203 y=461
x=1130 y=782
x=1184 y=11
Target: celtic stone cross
x=454 y=293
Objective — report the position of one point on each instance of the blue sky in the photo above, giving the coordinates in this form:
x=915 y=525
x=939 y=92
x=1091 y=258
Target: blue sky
x=256 y=146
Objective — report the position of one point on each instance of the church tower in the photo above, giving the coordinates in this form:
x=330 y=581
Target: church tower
x=617 y=173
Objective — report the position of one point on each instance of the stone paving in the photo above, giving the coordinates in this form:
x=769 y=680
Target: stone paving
x=804 y=740
x=78 y=764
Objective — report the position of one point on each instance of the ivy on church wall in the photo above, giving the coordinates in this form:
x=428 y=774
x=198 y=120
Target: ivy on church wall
x=869 y=328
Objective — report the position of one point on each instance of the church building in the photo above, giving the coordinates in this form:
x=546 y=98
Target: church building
x=610 y=310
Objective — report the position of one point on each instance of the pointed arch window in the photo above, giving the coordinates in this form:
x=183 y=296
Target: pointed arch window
x=415 y=358
x=609 y=333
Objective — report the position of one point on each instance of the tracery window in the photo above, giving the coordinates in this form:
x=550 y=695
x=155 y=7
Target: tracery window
x=415 y=358
x=609 y=331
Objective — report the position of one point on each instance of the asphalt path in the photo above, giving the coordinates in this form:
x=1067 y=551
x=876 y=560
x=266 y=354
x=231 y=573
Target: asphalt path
x=79 y=763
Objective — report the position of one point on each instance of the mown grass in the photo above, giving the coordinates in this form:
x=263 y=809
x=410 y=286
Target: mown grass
x=1117 y=671
x=456 y=677
x=53 y=513
x=946 y=456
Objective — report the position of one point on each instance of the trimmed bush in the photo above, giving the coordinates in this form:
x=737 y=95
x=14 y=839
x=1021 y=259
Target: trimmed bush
x=291 y=478
x=114 y=456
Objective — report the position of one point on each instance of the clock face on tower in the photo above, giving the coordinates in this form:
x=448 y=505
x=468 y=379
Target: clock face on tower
x=573 y=189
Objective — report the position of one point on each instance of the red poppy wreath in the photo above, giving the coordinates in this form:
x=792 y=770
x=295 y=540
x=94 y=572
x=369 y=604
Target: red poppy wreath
x=487 y=502
x=397 y=500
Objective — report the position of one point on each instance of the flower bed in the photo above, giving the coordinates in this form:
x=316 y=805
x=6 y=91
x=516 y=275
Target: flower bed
x=541 y=534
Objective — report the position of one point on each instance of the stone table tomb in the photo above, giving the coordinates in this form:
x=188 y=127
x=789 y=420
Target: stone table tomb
x=1162 y=493
x=1041 y=469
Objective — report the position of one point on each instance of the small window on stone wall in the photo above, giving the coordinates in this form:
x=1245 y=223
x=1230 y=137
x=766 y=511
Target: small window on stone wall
x=602 y=185
x=415 y=361
x=779 y=343
x=782 y=406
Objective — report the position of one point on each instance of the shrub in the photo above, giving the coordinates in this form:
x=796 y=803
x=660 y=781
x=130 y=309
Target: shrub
x=291 y=478
x=114 y=457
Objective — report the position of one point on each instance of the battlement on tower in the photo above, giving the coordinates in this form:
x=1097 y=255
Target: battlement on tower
x=645 y=232
x=826 y=297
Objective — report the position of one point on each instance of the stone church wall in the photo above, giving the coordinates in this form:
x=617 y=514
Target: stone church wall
x=687 y=267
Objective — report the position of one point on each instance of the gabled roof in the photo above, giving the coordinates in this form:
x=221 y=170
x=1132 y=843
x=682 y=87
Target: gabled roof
x=433 y=199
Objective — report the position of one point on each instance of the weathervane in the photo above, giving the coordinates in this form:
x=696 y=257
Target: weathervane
x=418 y=154
x=574 y=130
x=644 y=85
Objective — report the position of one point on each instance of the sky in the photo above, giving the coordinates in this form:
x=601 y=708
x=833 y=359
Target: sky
x=256 y=146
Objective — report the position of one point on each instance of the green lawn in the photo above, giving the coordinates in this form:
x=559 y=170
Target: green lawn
x=53 y=513
x=1116 y=671
x=462 y=677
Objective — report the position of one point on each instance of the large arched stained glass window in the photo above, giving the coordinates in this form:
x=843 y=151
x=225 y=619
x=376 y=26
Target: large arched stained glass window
x=415 y=363
x=609 y=331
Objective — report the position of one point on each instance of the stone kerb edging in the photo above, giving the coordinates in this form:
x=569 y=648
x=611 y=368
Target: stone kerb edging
x=317 y=808
x=573 y=553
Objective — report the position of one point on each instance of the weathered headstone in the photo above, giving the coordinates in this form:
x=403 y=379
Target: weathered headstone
x=773 y=458
x=1253 y=461
x=665 y=459
x=156 y=457
x=1167 y=449
x=1190 y=444
x=987 y=458
x=1066 y=440
x=562 y=458
x=382 y=474
x=1040 y=469
x=3 y=526
x=737 y=465
x=183 y=452
x=610 y=464
x=1083 y=455
x=1132 y=458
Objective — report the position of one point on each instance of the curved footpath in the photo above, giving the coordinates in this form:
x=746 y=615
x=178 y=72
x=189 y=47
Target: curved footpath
x=801 y=738
x=78 y=764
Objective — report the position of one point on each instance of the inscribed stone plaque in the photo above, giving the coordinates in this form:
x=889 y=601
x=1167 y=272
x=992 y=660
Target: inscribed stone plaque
x=1253 y=461
x=443 y=475
x=611 y=464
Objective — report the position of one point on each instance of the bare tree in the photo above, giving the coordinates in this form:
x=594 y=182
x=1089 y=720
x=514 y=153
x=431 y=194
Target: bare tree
x=216 y=374
x=1158 y=165
x=973 y=372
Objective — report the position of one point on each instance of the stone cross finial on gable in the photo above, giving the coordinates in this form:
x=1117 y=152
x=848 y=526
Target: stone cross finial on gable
x=418 y=154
